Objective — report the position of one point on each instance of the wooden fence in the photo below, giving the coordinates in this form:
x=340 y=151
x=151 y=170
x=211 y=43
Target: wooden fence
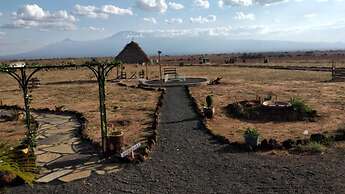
x=338 y=74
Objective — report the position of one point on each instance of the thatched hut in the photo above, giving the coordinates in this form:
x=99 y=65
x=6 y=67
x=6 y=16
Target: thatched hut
x=133 y=54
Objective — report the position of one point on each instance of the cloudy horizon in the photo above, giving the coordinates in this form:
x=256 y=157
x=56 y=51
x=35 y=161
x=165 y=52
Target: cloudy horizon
x=28 y=25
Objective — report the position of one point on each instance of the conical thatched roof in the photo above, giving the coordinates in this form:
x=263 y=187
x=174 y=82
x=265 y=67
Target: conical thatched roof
x=132 y=54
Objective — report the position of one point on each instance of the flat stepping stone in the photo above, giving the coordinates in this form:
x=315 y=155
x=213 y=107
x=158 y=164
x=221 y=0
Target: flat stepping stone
x=75 y=176
x=100 y=172
x=62 y=149
x=55 y=139
x=43 y=127
x=69 y=160
x=52 y=176
x=110 y=167
x=83 y=148
x=58 y=130
x=47 y=157
x=39 y=152
x=43 y=146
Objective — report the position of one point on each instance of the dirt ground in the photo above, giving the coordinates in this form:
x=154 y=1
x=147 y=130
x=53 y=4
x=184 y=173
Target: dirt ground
x=132 y=107
x=12 y=132
x=128 y=109
x=245 y=84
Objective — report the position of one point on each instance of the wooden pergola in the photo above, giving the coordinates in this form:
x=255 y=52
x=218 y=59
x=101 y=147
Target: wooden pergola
x=23 y=73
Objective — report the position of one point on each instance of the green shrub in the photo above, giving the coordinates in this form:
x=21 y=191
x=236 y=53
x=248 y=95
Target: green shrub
x=251 y=132
x=13 y=163
x=209 y=101
x=312 y=147
x=300 y=106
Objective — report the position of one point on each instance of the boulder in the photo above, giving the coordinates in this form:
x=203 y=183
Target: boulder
x=287 y=144
x=318 y=137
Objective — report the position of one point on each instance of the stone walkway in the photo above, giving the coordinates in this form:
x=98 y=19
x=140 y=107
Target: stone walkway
x=61 y=155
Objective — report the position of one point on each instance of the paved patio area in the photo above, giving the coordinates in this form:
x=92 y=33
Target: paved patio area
x=62 y=155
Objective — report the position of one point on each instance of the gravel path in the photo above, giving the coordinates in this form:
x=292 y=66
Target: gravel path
x=187 y=160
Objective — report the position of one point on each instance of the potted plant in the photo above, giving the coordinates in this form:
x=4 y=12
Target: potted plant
x=115 y=142
x=209 y=109
x=252 y=137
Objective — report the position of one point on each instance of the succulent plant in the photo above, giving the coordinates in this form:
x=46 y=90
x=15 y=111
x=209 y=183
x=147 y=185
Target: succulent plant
x=209 y=101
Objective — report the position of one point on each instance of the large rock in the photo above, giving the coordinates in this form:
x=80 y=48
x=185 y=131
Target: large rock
x=318 y=137
x=287 y=144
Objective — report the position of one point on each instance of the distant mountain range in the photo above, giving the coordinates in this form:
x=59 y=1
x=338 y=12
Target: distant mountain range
x=177 y=45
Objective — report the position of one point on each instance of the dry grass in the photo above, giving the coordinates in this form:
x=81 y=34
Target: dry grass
x=241 y=84
x=123 y=104
x=12 y=132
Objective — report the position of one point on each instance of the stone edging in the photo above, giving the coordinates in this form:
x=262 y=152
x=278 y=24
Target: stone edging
x=139 y=86
x=270 y=144
x=151 y=139
x=79 y=116
x=195 y=106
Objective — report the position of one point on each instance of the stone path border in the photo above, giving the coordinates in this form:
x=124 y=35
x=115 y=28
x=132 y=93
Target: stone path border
x=187 y=82
x=62 y=155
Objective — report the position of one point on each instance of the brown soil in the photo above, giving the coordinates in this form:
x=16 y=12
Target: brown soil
x=74 y=90
x=245 y=84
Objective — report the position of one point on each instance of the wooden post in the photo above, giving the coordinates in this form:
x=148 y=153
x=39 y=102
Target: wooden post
x=333 y=70
x=147 y=72
x=160 y=66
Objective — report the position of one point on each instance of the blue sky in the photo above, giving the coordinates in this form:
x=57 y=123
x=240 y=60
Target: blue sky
x=30 y=24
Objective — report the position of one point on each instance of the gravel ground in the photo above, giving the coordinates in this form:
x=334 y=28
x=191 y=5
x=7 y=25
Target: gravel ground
x=187 y=160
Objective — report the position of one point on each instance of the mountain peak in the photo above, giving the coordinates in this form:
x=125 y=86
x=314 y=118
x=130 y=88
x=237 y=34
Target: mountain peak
x=67 y=40
x=126 y=34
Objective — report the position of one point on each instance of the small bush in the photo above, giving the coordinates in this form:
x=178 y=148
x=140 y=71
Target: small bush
x=312 y=147
x=251 y=132
x=300 y=106
x=13 y=163
x=209 y=101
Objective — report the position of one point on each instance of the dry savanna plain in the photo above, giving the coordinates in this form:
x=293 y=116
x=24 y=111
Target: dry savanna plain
x=131 y=109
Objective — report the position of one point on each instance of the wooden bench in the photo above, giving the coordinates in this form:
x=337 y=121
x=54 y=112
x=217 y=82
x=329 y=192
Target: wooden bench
x=170 y=71
x=170 y=74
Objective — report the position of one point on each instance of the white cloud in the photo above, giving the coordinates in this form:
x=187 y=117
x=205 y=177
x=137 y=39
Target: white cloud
x=1 y=14
x=152 y=5
x=150 y=20
x=30 y=16
x=224 y=31
x=89 y=11
x=235 y=3
x=174 y=21
x=103 y=12
x=202 y=3
x=111 y=9
x=175 y=6
x=202 y=20
x=244 y=16
x=310 y=15
x=223 y=3
x=95 y=29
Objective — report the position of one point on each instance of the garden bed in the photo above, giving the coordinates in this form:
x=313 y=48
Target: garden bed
x=269 y=111
x=240 y=85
